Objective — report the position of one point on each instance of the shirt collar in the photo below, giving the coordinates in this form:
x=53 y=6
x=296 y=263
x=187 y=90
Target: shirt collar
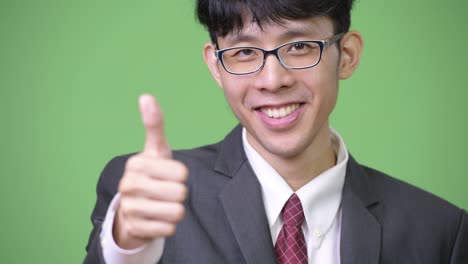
x=320 y=198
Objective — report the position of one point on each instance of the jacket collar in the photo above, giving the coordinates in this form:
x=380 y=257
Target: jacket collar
x=231 y=153
x=243 y=205
x=242 y=202
x=361 y=232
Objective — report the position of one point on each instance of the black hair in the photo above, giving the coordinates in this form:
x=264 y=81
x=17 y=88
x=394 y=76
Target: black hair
x=221 y=17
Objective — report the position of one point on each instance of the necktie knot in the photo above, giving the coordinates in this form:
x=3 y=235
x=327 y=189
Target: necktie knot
x=293 y=214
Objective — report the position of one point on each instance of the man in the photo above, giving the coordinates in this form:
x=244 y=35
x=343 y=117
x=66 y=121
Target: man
x=281 y=187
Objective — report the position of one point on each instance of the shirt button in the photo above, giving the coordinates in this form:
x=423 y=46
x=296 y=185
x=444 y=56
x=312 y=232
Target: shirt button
x=317 y=232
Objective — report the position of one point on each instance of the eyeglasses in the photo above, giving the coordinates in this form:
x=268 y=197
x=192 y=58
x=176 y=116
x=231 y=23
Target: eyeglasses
x=301 y=54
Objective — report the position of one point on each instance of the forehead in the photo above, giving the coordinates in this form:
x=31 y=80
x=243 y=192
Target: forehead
x=316 y=27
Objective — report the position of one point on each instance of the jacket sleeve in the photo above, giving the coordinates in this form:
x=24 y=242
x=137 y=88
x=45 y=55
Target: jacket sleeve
x=106 y=189
x=460 y=249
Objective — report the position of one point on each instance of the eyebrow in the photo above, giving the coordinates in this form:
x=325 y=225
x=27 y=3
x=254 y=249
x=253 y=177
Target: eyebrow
x=240 y=37
x=297 y=33
x=290 y=33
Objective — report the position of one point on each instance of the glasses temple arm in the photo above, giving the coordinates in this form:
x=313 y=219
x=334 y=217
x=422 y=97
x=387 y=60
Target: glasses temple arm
x=333 y=39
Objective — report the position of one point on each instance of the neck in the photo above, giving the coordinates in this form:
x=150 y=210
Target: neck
x=300 y=169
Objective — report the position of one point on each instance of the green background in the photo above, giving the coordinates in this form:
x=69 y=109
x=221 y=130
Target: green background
x=71 y=72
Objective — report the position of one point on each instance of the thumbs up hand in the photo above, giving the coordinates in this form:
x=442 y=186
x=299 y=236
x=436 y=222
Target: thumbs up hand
x=152 y=187
x=155 y=144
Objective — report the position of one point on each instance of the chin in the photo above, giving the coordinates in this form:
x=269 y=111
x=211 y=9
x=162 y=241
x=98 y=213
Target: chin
x=286 y=150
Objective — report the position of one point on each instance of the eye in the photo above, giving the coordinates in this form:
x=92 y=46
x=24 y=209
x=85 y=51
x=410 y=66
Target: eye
x=244 y=53
x=299 y=46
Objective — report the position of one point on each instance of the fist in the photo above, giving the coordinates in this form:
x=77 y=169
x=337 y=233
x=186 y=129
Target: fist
x=152 y=188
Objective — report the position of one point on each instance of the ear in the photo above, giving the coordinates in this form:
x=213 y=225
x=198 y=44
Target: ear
x=351 y=48
x=212 y=62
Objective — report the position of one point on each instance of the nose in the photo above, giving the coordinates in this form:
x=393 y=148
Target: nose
x=273 y=76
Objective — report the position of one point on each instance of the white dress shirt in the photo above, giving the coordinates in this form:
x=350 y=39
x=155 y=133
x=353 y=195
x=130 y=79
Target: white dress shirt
x=320 y=198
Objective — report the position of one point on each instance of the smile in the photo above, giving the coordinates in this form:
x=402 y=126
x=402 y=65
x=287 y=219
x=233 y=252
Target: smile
x=279 y=112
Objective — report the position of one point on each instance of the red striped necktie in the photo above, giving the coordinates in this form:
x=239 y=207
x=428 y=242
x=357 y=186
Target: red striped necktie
x=290 y=246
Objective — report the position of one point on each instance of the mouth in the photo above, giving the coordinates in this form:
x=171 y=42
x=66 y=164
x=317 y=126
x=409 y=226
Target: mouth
x=280 y=116
x=279 y=112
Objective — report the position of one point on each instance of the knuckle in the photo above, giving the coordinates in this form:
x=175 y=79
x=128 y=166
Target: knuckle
x=181 y=194
x=170 y=230
x=133 y=232
x=132 y=229
x=127 y=184
x=124 y=186
x=133 y=183
x=135 y=163
x=131 y=162
x=124 y=207
x=131 y=210
x=179 y=212
x=183 y=172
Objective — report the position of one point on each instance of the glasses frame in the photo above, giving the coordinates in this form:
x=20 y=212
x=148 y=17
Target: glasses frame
x=322 y=44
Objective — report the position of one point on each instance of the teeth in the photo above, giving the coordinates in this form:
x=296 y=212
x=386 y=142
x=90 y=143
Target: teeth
x=280 y=112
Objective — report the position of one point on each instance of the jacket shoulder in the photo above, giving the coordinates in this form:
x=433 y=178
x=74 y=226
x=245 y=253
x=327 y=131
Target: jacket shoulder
x=394 y=191
x=417 y=220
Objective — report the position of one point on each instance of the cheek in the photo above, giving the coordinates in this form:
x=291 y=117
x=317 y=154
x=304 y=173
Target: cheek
x=321 y=82
x=235 y=91
x=323 y=87
x=235 y=87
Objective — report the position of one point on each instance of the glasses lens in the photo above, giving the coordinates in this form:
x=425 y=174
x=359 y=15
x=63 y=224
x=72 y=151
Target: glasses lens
x=301 y=54
x=242 y=60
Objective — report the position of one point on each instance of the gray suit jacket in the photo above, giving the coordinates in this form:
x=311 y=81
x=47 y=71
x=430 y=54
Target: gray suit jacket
x=383 y=220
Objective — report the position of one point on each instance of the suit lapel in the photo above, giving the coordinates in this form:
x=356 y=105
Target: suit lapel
x=243 y=203
x=360 y=230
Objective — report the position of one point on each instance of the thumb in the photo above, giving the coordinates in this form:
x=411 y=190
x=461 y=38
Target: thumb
x=155 y=144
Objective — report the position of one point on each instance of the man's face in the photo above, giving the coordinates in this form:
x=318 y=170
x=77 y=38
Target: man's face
x=284 y=111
